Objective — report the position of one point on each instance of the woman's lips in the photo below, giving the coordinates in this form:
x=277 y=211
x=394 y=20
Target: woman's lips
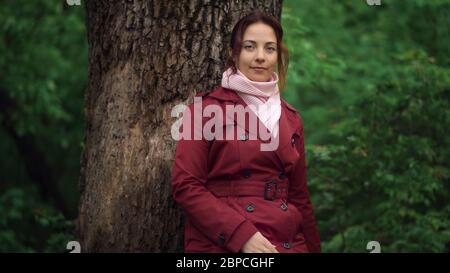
x=258 y=69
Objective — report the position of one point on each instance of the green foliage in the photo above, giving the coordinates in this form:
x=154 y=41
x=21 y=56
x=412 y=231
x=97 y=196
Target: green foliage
x=43 y=73
x=372 y=85
x=29 y=225
x=388 y=180
x=44 y=48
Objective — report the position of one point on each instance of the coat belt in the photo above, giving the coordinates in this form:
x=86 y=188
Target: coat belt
x=269 y=190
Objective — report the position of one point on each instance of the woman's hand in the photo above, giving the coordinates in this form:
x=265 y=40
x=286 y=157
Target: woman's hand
x=258 y=244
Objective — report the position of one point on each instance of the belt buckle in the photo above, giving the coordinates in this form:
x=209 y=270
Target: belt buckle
x=267 y=189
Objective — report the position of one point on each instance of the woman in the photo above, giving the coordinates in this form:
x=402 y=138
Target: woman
x=239 y=195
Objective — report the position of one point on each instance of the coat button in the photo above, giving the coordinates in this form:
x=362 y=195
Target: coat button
x=221 y=239
x=244 y=137
x=250 y=207
x=286 y=245
x=293 y=141
x=283 y=206
x=246 y=173
x=282 y=176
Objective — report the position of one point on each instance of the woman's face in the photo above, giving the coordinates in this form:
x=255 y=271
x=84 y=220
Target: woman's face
x=258 y=57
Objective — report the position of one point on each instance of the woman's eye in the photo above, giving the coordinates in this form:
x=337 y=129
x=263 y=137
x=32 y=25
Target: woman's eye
x=271 y=49
x=248 y=47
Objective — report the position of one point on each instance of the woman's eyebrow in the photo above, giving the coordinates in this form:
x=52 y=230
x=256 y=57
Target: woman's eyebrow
x=253 y=42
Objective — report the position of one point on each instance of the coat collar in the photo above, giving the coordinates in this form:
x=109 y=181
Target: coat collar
x=224 y=94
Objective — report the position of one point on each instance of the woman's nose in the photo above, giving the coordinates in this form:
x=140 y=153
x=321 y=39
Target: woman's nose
x=260 y=56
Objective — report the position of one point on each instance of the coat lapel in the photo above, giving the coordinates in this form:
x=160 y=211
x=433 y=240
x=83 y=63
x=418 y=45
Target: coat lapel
x=287 y=130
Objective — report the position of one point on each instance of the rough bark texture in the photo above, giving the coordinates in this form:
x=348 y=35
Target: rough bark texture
x=144 y=58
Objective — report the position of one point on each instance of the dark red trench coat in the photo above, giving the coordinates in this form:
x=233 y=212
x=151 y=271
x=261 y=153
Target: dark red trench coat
x=230 y=189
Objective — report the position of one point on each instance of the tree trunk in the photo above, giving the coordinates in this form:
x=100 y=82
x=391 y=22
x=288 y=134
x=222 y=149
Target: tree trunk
x=144 y=58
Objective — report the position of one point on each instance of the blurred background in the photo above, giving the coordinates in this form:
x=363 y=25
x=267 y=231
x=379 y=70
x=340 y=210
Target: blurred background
x=371 y=83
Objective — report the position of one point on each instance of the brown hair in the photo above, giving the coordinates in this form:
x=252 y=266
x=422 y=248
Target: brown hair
x=238 y=33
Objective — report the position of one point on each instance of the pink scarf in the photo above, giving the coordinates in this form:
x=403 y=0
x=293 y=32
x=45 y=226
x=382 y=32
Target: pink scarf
x=263 y=98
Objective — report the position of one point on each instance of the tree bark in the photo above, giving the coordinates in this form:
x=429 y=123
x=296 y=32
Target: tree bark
x=145 y=57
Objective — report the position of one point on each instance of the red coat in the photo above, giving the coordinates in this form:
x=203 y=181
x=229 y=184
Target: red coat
x=230 y=189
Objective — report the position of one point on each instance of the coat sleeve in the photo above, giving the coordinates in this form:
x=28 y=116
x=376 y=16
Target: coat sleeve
x=299 y=196
x=219 y=222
